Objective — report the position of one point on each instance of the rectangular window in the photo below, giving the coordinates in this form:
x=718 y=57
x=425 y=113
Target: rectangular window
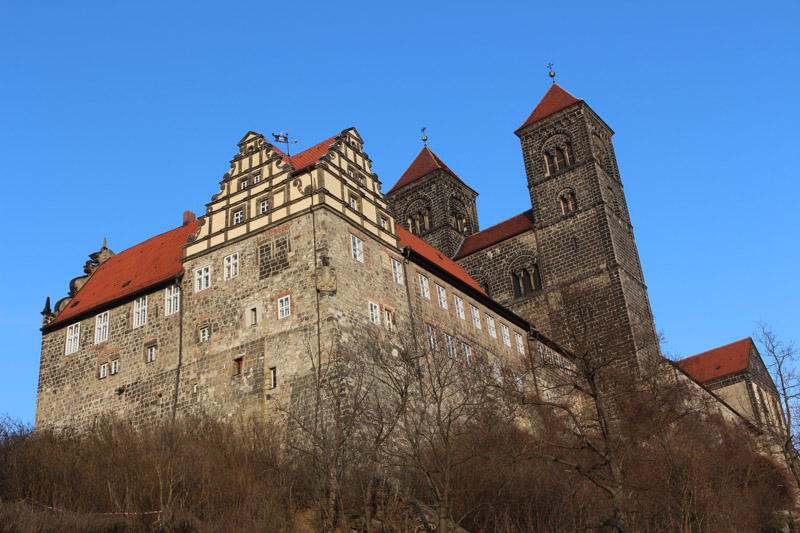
x=397 y=271
x=459 y=307
x=205 y=333
x=520 y=344
x=151 y=353
x=442 y=294
x=104 y=371
x=357 y=248
x=424 y=288
x=498 y=376
x=354 y=201
x=388 y=319
x=467 y=353
x=451 y=346
x=506 y=335
x=431 y=337
x=173 y=300
x=518 y=381
x=284 y=306
x=384 y=223
x=273 y=377
x=476 y=316
x=232 y=265
x=115 y=367
x=374 y=313
x=490 y=326
x=73 y=338
x=257 y=178
x=101 y=328
x=238 y=365
x=238 y=217
x=202 y=278
x=140 y=312
x=252 y=316
x=263 y=206
x=243 y=185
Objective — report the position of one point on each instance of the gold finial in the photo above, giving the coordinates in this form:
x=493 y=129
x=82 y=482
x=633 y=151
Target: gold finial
x=424 y=137
x=552 y=73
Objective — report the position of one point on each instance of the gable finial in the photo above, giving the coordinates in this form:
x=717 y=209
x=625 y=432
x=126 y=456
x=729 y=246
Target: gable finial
x=552 y=72
x=424 y=137
x=104 y=243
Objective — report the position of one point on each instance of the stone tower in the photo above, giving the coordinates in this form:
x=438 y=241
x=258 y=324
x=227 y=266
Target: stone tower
x=431 y=201
x=585 y=246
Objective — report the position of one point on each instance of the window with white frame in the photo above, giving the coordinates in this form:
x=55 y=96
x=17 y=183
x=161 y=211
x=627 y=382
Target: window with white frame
x=172 y=300
x=520 y=344
x=103 y=371
x=384 y=223
x=243 y=184
x=431 y=337
x=442 y=295
x=357 y=248
x=205 y=333
x=202 y=278
x=496 y=373
x=388 y=319
x=115 y=367
x=374 y=313
x=101 y=328
x=518 y=382
x=424 y=288
x=273 y=377
x=467 y=353
x=231 y=264
x=506 y=334
x=257 y=178
x=450 y=344
x=284 y=306
x=151 y=353
x=490 y=326
x=397 y=271
x=238 y=217
x=73 y=338
x=476 y=316
x=353 y=200
x=140 y=312
x=263 y=206
x=459 y=307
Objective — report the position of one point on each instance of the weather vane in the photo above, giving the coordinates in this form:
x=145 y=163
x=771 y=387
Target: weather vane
x=285 y=139
x=424 y=137
x=552 y=72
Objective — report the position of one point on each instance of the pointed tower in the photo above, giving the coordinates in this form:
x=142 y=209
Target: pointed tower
x=589 y=262
x=431 y=201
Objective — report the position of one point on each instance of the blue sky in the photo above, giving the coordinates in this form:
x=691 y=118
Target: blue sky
x=119 y=116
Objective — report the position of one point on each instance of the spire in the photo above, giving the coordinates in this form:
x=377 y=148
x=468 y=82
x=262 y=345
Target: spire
x=555 y=99
x=46 y=310
x=425 y=163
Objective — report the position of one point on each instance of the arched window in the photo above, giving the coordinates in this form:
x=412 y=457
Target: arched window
x=525 y=281
x=612 y=200
x=566 y=199
x=418 y=217
x=559 y=158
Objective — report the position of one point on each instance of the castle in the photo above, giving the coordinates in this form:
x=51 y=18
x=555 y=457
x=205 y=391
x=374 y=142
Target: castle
x=297 y=254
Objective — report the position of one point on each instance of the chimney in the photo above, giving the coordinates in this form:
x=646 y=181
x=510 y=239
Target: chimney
x=188 y=216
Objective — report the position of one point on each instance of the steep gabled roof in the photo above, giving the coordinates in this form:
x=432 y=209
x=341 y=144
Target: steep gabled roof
x=497 y=233
x=425 y=163
x=309 y=156
x=436 y=257
x=554 y=100
x=718 y=362
x=149 y=263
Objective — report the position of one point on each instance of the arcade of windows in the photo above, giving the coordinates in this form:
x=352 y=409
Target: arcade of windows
x=525 y=281
x=559 y=158
x=566 y=199
x=420 y=221
x=458 y=221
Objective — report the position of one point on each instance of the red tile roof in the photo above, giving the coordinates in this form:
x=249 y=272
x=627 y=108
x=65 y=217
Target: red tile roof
x=497 y=233
x=307 y=157
x=555 y=99
x=436 y=257
x=425 y=163
x=718 y=362
x=144 y=265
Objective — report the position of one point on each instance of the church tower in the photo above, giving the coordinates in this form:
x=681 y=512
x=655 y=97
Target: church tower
x=431 y=201
x=587 y=252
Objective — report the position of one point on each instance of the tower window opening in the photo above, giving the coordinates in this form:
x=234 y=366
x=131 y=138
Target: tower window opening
x=567 y=201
